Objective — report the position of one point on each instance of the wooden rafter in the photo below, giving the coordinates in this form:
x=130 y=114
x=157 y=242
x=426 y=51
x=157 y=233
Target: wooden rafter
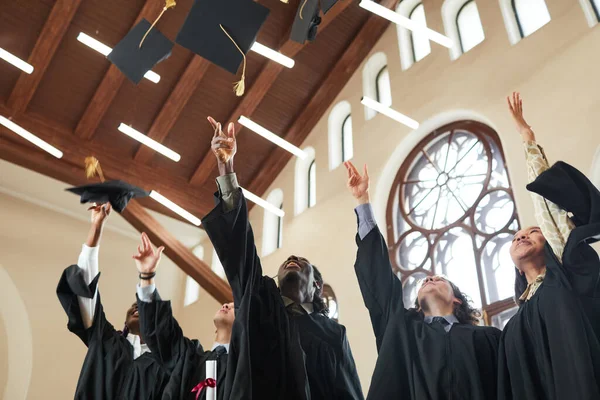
x=260 y=87
x=179 y=97
x=326 y=93
x=110 y=85
x=52 y=34
x=70 y=168
x=177 y=252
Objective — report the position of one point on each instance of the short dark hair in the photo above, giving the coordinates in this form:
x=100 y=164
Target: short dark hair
x=319 y=303
x=464 y=312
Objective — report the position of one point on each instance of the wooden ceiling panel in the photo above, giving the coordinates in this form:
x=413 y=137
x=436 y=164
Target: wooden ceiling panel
x=20 y=24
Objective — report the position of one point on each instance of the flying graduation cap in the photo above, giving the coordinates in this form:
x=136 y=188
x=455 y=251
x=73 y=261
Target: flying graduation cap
x=223 y=31
x=142 y=48
x=116 y=192
x=308 y=19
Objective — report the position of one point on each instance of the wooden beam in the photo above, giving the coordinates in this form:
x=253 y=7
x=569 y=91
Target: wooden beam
x=52 y=34
x=260 y=87
x=110 y=85
x=177 y=252
x=179 y=97
x=69 y=169
x=327 y=91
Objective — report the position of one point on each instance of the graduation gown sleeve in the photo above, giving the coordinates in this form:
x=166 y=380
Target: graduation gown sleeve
x=266 y=359
x=348 y=383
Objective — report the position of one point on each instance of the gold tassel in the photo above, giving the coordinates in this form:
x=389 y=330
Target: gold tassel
x=302 y=9
x=92 y=168
x=240 y=86
x=284 y=1
x=168 y=4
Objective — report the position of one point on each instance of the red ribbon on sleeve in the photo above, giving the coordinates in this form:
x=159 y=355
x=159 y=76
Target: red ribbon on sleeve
x=210 y=382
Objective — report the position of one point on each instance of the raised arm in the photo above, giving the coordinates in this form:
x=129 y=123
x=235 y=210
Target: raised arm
x=227 y=224
x=158 y=328
x=381 y=290
x=552 y=220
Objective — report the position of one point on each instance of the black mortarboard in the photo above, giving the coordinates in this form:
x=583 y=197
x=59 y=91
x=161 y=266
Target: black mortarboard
x=134 y=61
x=202 y=34
x=326 y=5
x=306 y=22
x=117 y=193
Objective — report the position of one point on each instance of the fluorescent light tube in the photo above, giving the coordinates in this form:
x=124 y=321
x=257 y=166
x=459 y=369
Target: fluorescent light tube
x=174 y=207
x=405 y=22
x=263 y=203
x=273 y=55
x=153 y=144
x=30 y=137
x=284 y=144
x=393 y=114
x=16 y=61
x=105 y=51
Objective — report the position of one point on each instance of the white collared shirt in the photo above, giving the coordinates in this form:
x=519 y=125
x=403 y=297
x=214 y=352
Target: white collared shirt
x=308 y=307
x=217 y=344
x=139 y=348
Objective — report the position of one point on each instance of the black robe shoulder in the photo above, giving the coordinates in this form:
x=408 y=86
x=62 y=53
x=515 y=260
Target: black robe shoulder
x=184 y=359
x=109 y=370
x=550 y=348
x=416 y=361
x=272 y=357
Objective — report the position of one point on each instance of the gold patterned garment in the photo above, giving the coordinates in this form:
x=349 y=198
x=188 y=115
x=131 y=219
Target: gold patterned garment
x=554 y=222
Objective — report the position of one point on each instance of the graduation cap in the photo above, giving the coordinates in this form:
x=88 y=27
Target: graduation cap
x=308 y=19
x=117 y=193
x=223 y=31
x=140 y=50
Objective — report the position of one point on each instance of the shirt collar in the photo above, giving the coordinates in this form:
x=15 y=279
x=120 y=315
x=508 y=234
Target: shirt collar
x=139 y=348
x=308 y=307
x=450 y=318
x=533 y=287
x=217 y=344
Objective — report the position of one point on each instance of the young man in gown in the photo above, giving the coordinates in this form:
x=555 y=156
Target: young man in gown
x=550 y=348
x=183 y=358
x=283 y=344
x=434 y=351
x=118 y=365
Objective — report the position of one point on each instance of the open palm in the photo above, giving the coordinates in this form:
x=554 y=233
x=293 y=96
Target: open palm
x=147 y=258
x=357 y=184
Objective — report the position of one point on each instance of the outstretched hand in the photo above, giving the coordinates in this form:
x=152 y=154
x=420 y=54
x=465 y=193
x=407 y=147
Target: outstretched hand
x=223 y=144
x=147 y=258
x=357 y=184
x=515 y=105
x=99 y=214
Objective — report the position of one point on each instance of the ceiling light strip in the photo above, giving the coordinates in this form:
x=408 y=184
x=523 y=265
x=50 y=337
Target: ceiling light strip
x=284 y=144
x=30 y=137
x=145 y=140
x=273 y=55
x=175 y=208
x=263 y=203
x=16 y=61
x=393 y=114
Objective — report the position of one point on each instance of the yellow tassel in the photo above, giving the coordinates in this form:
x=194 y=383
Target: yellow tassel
x=284 y=1
x=168 y=4
x=302 y=9
x=240 y=86
x=92 y=168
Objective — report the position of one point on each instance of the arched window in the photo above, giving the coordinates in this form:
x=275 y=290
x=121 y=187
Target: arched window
x=347 y=147
x=468 y=24
x=332 y=303
x=451 y=211
x=384 y=87
x=596 y=7
x=312 y=184
x=414 y=46
x=272 y=224
x=420 y=42
x=591 y=9
x=192 y=288
x=305 y=181
x=531 y=15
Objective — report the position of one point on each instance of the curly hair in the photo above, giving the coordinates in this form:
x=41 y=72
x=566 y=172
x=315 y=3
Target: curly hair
x=319 y=304
x=464 y=312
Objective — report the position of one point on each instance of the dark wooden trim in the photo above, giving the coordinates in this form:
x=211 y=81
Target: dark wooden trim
x=52 y=34
x=179 y=97
x=141 y=220
x=110 y=85
x=258 y=91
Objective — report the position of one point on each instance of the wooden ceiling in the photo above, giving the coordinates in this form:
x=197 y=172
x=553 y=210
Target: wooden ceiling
x=75 y=99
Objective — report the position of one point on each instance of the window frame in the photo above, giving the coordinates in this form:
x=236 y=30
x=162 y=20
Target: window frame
x=377 y=78
x=410 y=33
x=596 y=10
x=517 y=18
x=344 y=133
x=460 y=10
x=309 y=181
x=396 y=210
x=280 y=229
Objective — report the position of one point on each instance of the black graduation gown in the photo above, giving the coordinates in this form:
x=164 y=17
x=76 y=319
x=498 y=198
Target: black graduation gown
x=184 y=359
x=550 y=348
x=418 y=361
x=109 y=370
x=273 y=355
